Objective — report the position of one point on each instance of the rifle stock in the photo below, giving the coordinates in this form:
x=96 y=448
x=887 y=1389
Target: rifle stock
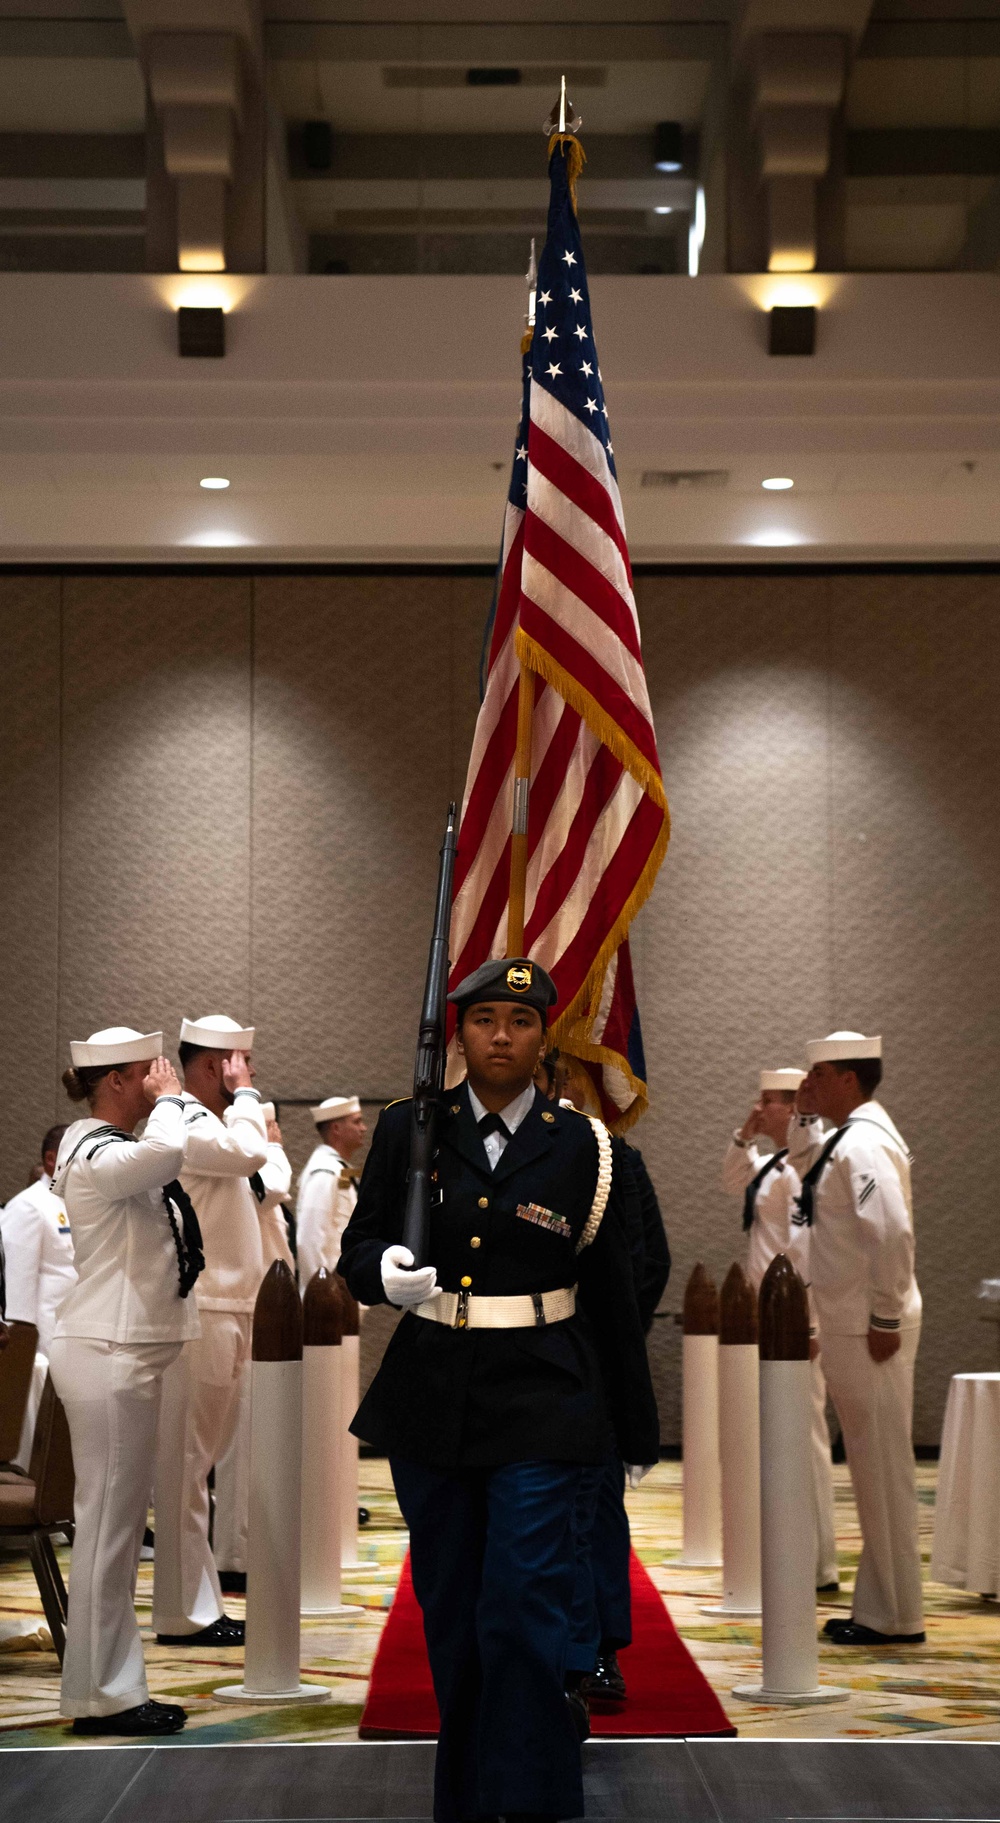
x=428 y=1072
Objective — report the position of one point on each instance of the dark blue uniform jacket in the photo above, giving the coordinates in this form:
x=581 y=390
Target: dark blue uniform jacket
x=569 y=1391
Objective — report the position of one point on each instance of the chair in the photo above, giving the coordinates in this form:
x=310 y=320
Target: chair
x=35 y=1507
x=17 y=1361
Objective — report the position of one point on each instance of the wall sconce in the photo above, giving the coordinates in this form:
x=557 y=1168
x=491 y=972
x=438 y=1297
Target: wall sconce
x=201 y=330
x=792 y=329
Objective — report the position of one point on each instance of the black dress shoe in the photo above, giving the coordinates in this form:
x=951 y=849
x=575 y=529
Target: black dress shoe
x=222 y=1632
x=580 y=1713
x=852 y=1633
x=604 y=1687
x=828 y=1588
x=145 y=1718
x=233 y=1582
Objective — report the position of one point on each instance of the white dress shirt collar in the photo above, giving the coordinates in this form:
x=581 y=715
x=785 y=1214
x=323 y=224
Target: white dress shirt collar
x=512 y=1116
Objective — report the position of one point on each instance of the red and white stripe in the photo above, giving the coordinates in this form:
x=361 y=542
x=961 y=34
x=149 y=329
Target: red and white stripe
x=597 y=815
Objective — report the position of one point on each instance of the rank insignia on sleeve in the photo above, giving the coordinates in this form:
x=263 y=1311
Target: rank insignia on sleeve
x=544 y=1218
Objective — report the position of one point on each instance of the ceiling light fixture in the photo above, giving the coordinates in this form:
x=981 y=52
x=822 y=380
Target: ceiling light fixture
x=663 y=208
x=776 y=484
x=219 y=481
x=668 y=146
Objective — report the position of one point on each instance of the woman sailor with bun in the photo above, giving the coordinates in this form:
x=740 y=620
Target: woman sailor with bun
x=137 y=1251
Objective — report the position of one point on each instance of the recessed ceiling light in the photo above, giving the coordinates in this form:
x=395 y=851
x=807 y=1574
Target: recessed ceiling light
x=219 y=481
x=776 y=484
x=663 y=209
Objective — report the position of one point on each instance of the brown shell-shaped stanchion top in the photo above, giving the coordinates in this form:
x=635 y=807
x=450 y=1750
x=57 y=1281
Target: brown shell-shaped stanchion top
x=277 y=1317
x=701 y=1304
x=350 y=1309
x=737 y=1309
x=783 y=1313
x=322 y=1311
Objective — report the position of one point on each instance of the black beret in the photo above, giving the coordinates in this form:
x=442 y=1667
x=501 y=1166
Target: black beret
x=510 y=978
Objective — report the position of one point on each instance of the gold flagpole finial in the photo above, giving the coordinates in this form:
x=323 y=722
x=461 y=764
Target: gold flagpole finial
x=562 y=127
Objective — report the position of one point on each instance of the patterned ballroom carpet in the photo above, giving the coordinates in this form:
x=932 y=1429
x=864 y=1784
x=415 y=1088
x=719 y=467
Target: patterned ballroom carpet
x=946 y=1690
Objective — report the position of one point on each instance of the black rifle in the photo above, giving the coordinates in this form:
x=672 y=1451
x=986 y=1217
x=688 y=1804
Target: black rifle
x=428 y=1071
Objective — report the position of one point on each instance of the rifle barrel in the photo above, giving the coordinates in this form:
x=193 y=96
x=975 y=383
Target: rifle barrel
x=428 y=1073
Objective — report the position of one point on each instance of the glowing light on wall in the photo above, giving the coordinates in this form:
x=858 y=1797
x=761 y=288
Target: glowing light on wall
x=696 y=233
x=218 y=539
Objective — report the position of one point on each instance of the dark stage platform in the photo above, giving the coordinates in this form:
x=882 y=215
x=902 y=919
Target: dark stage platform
x=697 y=1782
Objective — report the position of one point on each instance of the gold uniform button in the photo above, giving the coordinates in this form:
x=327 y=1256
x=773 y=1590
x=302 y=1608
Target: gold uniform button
x=484 y=1202
x=475 y=1241
x=466 y=1282
x=549 y=1117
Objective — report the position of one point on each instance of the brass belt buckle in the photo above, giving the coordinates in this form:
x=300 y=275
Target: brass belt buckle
x=462 y=1311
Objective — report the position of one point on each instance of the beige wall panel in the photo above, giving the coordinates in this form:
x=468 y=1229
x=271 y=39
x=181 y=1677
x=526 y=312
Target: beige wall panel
x=831 y=759
x=29 y=880
x=156 y=783
x=359 y=741
x=730 y=949
x=916 y=826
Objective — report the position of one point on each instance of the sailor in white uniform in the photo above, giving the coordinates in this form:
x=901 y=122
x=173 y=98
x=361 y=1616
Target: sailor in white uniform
x=327 y=1190
x=232 y=1471
x=137 y=1255
x=856 y=1199
x=226 y=1148
x=762 y=1165
x=35 y=1231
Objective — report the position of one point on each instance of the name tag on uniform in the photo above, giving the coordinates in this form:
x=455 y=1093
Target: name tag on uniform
x=544 y=1218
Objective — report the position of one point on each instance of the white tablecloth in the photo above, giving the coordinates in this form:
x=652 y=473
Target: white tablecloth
x=967 y=1523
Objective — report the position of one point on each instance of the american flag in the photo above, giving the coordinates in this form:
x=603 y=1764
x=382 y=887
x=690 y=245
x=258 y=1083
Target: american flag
x=597 y=823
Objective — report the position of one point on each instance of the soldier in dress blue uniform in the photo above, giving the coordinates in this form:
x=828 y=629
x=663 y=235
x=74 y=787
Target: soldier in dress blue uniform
x=521 y=1359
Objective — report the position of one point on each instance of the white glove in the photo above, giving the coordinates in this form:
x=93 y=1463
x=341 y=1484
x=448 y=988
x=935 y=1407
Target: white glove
x=637 y=1471
x=403 y=1286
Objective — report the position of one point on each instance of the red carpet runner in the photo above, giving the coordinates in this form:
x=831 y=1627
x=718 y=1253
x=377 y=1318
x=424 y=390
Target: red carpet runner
x=667 y=1694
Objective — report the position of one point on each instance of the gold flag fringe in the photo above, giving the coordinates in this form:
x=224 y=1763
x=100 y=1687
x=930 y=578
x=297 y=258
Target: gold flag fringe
x=575 y=157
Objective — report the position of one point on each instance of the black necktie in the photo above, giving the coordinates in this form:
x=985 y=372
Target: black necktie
x=491 y=1123
x=750 y=1194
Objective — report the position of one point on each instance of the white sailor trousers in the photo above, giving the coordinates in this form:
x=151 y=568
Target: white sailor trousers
x=111 y=1394
x=200 y=1411
x=874 y=1403
x=822 y=1479
x=232 y=1489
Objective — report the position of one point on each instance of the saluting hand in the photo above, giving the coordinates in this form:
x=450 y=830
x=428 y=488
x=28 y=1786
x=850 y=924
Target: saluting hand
x=161 y=1079
x=751 y=1126
x=236 y=1071
x=274 y=1133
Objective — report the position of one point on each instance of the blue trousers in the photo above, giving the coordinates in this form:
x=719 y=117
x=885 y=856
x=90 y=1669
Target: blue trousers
x=492 y=1554
x=601 y=1613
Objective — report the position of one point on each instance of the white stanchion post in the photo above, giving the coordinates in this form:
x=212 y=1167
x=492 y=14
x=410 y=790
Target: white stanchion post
x=790 y=1672
x=739 y=1446
x=350 y=1371
x=271 y=1660
x=701 y=1475
x=322 y=1351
